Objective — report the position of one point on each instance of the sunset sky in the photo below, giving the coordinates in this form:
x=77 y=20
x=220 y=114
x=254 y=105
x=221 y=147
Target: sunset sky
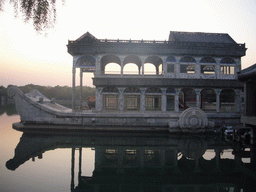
x=28 y=57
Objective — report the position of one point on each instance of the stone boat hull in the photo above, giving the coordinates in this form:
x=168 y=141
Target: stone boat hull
x=36 y=110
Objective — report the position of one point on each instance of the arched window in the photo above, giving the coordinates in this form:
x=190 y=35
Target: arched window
x=132 y=65
x=170 y=59
x=227 y=60
x=208 y=100
x=153 y=65
x=112 y=68
x=188 y=66
x=207 y=60
x=170 y=64
x=132 y=99
x=227 y=66
x=131 y=69
x=110 y=98
x=187 y=59
x=87 y=63
x=153 y=99
x=227 y=100
x=209 y=67
x=110 y=64
x=187 y=98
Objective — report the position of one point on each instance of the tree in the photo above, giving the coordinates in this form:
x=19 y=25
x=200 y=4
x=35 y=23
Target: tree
x=41 y=12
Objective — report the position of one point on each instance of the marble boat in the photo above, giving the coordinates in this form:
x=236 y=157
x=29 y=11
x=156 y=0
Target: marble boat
x=188 y=83
x=38 y=112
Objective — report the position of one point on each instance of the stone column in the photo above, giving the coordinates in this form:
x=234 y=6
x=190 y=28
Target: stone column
x=163 y=161
x=164 y=98
x=238 y=101
x=98 y=66
x=176 y=100
x=81 y=87
x=99 y=99
x=122 y=66
x=120 y=165
x=80 y=163
x=218 y=99
x=198 y=91
x=164 y=72
x=217 y=71
x=72 y=185
x=253 y=136
x=121 y=99
x=217 y=160
x=142 y=159
x=142 y=100
x=99 y=152
x=142 y=69
x=73 y=87
x=198 y=71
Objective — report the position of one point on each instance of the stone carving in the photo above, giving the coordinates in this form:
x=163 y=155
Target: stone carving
x=192 y=120
x=11 y=91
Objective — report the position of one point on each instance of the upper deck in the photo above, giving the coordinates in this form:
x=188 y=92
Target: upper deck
x=205 y=44
x=186 y=55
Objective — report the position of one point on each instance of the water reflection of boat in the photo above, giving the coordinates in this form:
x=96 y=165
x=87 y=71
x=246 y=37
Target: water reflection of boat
x=229 y=131
x=141 y=163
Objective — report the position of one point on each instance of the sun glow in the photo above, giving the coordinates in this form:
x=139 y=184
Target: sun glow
x=28 y=57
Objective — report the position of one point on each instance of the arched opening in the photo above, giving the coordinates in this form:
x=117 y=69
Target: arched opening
x=227 y=60
x=187 y=59
x=132 y=65
x=209 y=154
x=170 y=99
x=170 y=60
x=110 y=98
x=153 y=65
x=227 y=66
x=153 y=99
x=131 y=69
x=208 y=65
x=112 y=68
x=149 y=69
x=227 y=100
x=208 y=100
x=207 y=60
x=86 y=61
x=187 y=64
x=187 y=98
x=110 y=64
x=132 y=99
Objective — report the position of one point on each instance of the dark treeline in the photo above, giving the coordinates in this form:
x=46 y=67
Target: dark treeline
x=57 y=92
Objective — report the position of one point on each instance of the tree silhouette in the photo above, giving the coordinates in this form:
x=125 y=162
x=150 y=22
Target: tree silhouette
x=41 y=12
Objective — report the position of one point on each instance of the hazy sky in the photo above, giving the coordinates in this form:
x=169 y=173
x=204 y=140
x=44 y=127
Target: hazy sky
x=27 y=57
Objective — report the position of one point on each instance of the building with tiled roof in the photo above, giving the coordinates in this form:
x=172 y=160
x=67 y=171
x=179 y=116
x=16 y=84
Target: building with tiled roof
x=190 y=70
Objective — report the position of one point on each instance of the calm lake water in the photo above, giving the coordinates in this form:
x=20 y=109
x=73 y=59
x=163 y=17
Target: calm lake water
x=122 y=162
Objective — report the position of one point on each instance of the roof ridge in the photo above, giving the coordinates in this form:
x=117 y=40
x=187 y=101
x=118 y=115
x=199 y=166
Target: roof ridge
x=87 y=34
x=184 y=36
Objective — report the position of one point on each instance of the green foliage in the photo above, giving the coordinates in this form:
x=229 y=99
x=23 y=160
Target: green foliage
x=3 y=90
x=57 y=92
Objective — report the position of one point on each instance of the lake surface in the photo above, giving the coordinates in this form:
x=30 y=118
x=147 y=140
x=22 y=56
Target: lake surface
x=122 y=162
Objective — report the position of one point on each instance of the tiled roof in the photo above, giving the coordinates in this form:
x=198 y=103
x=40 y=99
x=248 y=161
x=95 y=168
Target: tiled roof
x=248 y=73
x=87 y=35
x=200 y=37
